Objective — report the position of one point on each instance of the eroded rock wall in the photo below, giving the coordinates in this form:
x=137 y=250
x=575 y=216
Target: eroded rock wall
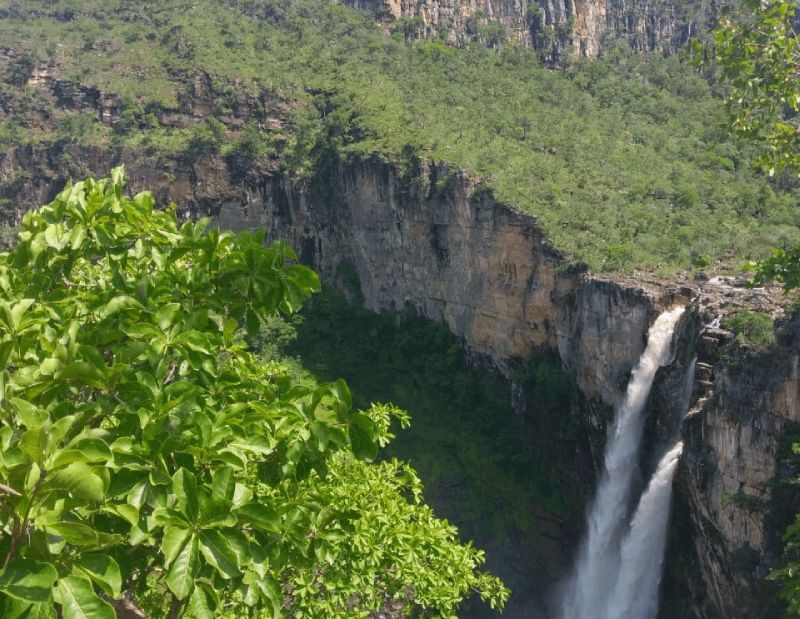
x=736 y=475
x=553 y=27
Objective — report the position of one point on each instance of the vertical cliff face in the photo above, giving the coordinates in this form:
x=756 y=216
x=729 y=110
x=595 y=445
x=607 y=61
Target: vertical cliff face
x=735 y=478
x=553 y=27
x=431 y=238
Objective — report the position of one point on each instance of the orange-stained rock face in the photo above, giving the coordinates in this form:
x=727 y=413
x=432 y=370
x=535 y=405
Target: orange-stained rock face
x=552 y=27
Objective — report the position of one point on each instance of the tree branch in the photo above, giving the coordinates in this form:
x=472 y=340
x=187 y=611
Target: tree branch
x=125 y=608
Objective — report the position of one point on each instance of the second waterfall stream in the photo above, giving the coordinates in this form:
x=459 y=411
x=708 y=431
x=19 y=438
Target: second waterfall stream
x=618 y=570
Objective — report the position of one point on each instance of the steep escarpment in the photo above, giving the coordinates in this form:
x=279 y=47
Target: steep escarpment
x=736 y=477
x=554 y=28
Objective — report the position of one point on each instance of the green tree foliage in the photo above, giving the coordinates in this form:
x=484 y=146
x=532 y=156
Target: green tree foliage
x=151 y=464
x=753 y=329
x=758 y=50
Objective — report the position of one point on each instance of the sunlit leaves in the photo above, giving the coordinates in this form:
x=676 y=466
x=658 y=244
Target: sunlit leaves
x=183 y=571
x=28 y=580
x=758 y=51
x=79 y=600
x=145 y=453
x=103 y=570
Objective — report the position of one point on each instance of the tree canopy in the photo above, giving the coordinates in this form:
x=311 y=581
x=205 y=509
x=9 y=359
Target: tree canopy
x=757 y=48
x=622 y=160
x=152 y=465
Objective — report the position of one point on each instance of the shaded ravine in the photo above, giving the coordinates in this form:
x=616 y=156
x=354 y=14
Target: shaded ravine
x=591 y=591
x=481 y=470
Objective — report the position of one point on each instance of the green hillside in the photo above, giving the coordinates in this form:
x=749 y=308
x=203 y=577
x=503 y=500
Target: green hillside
x=623 y=161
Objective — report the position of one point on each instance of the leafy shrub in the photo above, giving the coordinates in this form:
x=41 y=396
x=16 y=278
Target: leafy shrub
x=148 y=460
x=619 y=257
x=702 y=260
x=752 y=329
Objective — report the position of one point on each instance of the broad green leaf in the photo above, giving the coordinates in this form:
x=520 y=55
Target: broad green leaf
x=74 y=533
x=223 y=483
x=165 y=316
x=203 y=603
x=239 y=545
x=195 y=340
x=128 y=512
x=216 y=513
x=77 y=236
x=12 y=608
x=53 y=236
x=218 y=553
x=34 y=443
x=172 y=543
x=260 y=516
x=79 y=601
x=184 y=485
x=31 y=415
x=183 y=571
x=19 y=310
x=79 y=479
x=362 y=437
x=89 y=449
x=103 y=570
x=29 y=580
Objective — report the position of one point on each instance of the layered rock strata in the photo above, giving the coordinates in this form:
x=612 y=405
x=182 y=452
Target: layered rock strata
x=554 y=28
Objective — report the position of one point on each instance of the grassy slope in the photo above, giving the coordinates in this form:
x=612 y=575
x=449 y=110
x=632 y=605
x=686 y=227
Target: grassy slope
x=622 y=161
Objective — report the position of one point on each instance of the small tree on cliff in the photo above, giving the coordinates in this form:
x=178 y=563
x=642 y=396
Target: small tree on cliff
x=151 y=466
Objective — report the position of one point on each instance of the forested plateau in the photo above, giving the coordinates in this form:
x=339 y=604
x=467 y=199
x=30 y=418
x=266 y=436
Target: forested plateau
x=499 y=198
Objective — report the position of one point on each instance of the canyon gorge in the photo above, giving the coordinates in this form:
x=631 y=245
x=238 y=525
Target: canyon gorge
x=427 y=235
x=460 y=258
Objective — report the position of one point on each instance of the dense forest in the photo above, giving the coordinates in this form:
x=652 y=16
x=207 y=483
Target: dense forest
x=624 y=161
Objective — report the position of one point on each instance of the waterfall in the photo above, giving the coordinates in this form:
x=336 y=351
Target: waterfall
x=587 y=595
x=636 y=593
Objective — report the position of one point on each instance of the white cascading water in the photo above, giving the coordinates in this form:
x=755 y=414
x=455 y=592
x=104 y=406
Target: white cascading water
x=588 y=593
x=636 y=593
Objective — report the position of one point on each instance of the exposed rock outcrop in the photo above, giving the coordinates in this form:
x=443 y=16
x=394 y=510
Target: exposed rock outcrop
x=553 y=27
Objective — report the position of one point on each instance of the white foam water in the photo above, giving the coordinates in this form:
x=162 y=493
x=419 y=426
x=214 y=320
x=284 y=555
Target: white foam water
x=636 y=593
x=588 y=593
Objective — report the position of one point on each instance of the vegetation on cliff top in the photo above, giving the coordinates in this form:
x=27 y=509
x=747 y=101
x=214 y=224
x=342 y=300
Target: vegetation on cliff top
x=151 y=465
x=623 y=161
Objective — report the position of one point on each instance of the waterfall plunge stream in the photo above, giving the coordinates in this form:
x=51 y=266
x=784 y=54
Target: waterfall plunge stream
x=619 y=565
